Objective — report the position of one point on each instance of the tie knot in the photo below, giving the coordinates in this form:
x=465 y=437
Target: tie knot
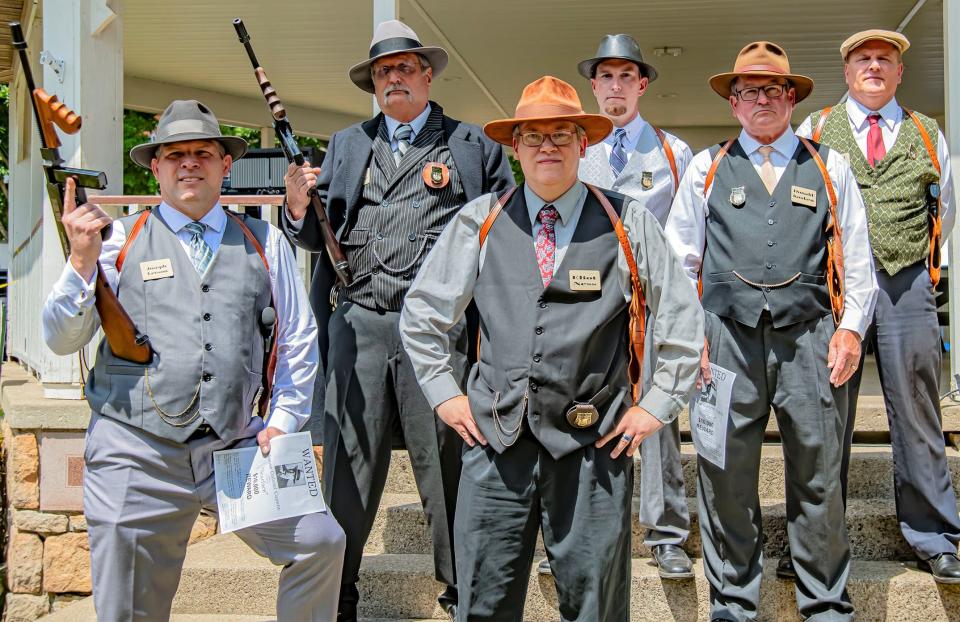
x=403 y=132
x=620 y=134
x=195 y=228
x=548 y=215
x=765 y=151
x=874 y=119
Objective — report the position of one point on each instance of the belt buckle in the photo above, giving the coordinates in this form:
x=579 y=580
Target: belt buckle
x=582 y=416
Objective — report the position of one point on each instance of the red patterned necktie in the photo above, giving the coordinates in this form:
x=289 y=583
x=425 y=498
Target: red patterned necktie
x=875 y=148
x=546 y=242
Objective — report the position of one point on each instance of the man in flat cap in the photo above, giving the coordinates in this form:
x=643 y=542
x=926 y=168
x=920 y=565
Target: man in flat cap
x=552 y=411
x=390 y=185
x=758 y=222
x=901 y=163
x=645 y=163
x=198 y=278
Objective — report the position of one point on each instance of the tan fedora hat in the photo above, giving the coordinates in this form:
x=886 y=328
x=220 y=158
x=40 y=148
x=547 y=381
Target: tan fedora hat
x=395 y=37
x=854 y=41
x=761 y=58
x=550 y=99
x=186 y=119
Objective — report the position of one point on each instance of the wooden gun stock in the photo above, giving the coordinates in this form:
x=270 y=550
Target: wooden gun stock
x=52 y=112
x=125 y=340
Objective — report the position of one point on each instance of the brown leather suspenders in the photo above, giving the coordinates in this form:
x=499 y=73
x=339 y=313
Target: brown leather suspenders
x=668 y=151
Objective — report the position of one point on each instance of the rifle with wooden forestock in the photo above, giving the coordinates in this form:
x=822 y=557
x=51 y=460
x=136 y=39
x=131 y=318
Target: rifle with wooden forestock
x=284 y=131
x=125 y=340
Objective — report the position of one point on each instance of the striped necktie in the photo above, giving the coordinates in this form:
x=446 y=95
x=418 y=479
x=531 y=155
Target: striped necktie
x=200 y=252
x=618 y=157
x=402 y=136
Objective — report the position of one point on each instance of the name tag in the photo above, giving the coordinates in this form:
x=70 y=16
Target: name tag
x=585 y=280
x=156 y=269
x=803 y=196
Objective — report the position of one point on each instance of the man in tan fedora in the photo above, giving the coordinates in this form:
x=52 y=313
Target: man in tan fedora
x=198 y=279
x=390 y=185
x=552 y=413
x=757 y=221
x=899 y=158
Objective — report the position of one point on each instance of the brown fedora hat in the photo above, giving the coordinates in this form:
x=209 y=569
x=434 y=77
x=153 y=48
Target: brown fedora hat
x=761 y=58
x=550 y=99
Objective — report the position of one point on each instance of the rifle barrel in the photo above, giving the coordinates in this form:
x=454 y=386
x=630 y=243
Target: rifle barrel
x=245 y=40
x=20 y=44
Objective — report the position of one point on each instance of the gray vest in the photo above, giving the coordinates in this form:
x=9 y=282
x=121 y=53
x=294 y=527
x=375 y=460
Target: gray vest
x=646 y=177
x=205 y=335
x=400 y=216
x=542 y=348
x=777 y=245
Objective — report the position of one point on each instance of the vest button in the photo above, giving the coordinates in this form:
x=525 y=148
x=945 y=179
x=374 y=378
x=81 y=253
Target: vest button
x=204 y=288
x=770 y=221
x=769 y=265
x=385 y=204
x=416 y=204
x=773 y=203
x=375 y=271
x=769 y=242
x=208 y=346
x=534 y=387
x=766 y=289
x=379 y=236
x=536 y=358
x=207 y=377
x=543 y=305
x=412 y=237
x=538 y=330
x=206 y=317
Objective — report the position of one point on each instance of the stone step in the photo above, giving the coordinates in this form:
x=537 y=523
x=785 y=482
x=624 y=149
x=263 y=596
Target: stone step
x=871 y=472
x=401 y=528
x=223 y=577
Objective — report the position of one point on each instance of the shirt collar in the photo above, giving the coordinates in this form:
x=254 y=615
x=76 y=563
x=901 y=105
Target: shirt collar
x=634 y=128
x=889 y=113
x=216 y=219
x=785 y=144
x=416 y=125
x=566 y=204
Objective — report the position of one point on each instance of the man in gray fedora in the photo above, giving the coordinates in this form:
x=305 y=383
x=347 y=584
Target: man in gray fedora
x=645 y=163
x=390 y=185
x=197 y=279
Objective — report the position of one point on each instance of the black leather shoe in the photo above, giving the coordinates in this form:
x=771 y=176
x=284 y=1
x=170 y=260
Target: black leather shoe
x=785 y=569
x=673 y=562
x=544 y=567
x=945 y=568
x=347 y=612
x=448 y=601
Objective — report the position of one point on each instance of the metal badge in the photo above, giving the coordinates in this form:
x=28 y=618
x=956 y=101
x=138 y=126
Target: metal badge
x=738 y=196
x=582 y=415
x=436 y=174
x=646 y=180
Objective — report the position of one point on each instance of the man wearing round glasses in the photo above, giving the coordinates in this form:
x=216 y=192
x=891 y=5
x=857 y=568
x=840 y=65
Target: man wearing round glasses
x=752 y=223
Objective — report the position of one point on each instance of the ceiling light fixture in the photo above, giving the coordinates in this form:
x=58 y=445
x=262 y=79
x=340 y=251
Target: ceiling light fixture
x=668 y=51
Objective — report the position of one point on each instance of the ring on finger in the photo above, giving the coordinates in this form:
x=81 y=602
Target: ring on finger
x=626 y=438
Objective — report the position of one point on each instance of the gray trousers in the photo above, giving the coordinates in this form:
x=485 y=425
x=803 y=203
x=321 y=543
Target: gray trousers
x=582 y=504
x=141 y=496
x=663 y=498
x=905 y=336
x=370 y=384
x=785 y=369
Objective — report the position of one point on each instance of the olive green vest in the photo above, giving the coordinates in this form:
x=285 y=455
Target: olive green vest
x=894 y=192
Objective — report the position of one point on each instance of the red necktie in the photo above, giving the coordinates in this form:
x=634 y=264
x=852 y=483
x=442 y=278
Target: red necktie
x=875 y=148
x=546 y=244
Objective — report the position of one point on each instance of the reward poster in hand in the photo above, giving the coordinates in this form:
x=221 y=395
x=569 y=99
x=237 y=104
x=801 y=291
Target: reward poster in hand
x=709 y=413
x=253 y=488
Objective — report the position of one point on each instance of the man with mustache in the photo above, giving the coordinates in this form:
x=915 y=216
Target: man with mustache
x=390 y=185
x=646 y=164
x=898 y=158
x=755 y=222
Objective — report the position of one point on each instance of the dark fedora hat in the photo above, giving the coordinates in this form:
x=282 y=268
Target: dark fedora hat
x=617 y=47
x=395 y=37
x=186 y=119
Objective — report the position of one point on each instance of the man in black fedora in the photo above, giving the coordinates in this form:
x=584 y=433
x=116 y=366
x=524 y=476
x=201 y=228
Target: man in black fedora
x=198 y=279
x=390 y=186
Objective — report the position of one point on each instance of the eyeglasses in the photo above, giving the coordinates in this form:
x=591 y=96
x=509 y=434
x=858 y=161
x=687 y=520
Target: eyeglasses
x=383 y=71
x=558 y=138
x=752 y=94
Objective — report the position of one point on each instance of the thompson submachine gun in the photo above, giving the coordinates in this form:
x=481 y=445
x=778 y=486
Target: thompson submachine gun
x=125 y=340
x=284 y=131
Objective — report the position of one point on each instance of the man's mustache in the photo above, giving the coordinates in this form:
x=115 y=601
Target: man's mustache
x=396 y=87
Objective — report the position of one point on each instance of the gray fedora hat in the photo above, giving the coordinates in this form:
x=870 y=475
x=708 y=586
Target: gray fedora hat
x=186 y=119
x=621 y=47
x=395 y=37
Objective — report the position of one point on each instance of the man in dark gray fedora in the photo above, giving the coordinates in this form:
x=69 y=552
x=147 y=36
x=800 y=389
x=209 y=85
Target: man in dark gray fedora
x=390 y=185
x=197 y=279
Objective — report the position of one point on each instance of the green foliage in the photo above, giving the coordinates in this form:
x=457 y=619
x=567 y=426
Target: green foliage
x=517 y=171
x=137 y=127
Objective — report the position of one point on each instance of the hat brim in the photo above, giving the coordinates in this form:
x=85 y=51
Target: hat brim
x=143 y=154
x=596 y=126
x=360 y=73
x=722 y=82
x=902 y=44
x=586 y=67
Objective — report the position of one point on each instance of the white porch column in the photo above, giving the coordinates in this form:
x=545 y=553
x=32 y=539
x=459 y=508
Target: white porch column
x=87 y=36
x=951 y=91
x=383 y=10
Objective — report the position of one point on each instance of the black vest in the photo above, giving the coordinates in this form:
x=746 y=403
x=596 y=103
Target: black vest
x=769 y=250
x=542 y=348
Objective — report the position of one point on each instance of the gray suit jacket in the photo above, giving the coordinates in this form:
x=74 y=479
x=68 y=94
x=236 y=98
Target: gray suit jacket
x=481 y=162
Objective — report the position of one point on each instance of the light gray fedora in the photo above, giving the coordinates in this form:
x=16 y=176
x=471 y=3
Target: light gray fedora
x=186 y=119
x=617 y=47
x=395 y=37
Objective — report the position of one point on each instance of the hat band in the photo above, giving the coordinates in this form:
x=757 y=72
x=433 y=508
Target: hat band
x=536 y=111
x=752 y=68
x=395 y=44
x=186 y=126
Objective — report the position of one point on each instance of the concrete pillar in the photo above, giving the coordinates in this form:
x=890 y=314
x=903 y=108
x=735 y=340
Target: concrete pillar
x=383 y=10
x=951 y=92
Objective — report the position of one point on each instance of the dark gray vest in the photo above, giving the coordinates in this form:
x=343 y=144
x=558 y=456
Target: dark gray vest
x=770 y=241
x=400 y=216
x=542 y=348
x=205 y=334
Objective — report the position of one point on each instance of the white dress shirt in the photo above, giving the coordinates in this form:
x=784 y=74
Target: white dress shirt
x=69 y=318
x=686 y=224
x=416 y=125
x=891 y=117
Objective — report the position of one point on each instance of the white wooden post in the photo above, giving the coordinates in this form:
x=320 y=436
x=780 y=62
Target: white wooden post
x=383 y=10
x=951 y=92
